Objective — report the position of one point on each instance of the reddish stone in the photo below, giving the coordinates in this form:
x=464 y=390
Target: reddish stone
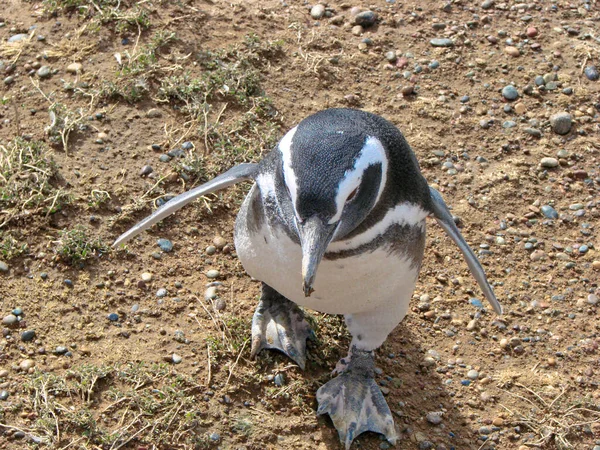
x=531 y=32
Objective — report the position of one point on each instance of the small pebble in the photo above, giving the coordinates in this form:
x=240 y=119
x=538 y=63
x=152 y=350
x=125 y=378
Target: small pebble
x=9 y=320
x=549 y=162
x=162 y=292
x=27 y=364
x=219 y=242
x=3 y=267
x=472 y=374
x=510 y=93
x=512 y=51
x=74 y=68
x=561 y=123
x=146 y=170
x=113 y=317
x=442 y=42
x=176 y=358
x=27 y=335
x=591 y=72
x=17 y=37
x=531 y=32
x=213 y=273
x=44 y=72
x=365 y=19
x=146 y=277
x=549 y=212
x=165 y=245
x=3 y=395
x=434 y=417
x=279 y=380
x=317 y=11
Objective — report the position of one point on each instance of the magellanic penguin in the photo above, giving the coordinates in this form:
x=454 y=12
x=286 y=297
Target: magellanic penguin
x=335 y=222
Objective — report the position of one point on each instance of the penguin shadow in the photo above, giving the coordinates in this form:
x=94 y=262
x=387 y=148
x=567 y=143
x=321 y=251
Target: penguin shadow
x=413 y=388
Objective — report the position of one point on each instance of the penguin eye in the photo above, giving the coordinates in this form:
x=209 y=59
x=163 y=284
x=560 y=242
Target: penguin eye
x=352 y=194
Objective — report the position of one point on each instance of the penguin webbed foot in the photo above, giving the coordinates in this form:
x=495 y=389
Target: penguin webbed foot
x=355 y=402
x=280 y=324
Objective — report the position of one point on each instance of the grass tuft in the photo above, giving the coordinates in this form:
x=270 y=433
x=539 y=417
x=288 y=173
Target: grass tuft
x=10 y=247
x=123 y=15
x=28 y=181
x=76 y=246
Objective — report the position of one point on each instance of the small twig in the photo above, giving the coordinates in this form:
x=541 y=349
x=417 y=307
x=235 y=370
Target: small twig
x=232 y=368
x=209 y=376
x=534 y=393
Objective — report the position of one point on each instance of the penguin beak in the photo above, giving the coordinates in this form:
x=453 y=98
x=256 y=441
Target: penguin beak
x=315 y=236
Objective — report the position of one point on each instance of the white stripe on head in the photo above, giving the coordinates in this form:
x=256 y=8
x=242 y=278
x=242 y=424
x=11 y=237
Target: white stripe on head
x=409 y=214
x=289 y=177
x=372 y=153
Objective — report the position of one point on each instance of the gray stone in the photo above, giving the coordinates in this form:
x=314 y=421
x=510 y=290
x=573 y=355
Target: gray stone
x=442 y=42
x=3 y=266
x=510 y=93
x=549 y=162
x=317 y=11
x=176 y=358
x=279 y=380
x=561 y=123
x=533 y=132
x=17 y=37
x=3 y=395
x=9 y=320
x=146 y=170
x=213 y=273
x=27 y=335
x=165 y=245
x=365 y=18
x=44 y=72
x=434 y=417
x=472 y=374
x=591 y=72
x=549 y=212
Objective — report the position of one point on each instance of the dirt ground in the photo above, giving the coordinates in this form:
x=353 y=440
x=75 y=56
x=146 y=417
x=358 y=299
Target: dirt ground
x=136 y=101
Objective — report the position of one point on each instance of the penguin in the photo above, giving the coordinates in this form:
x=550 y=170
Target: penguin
x=335 y=222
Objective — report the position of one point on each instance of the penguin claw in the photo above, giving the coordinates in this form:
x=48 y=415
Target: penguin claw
x=279 y=324
x=355 y=403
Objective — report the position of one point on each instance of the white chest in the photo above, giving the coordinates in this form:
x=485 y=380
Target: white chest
x=348 y=285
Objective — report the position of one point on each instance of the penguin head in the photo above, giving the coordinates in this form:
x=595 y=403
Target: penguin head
x=334 y=177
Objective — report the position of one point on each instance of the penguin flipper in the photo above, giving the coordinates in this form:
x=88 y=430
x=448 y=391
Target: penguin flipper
x=444 y=218
x=232 y=176
x=355 y=403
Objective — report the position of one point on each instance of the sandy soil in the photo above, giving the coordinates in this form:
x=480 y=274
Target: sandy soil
x=537 y=366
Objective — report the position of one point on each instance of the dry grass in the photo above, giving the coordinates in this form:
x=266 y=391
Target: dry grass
x=108 y=407
x=28 y=181
x=558 y=414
